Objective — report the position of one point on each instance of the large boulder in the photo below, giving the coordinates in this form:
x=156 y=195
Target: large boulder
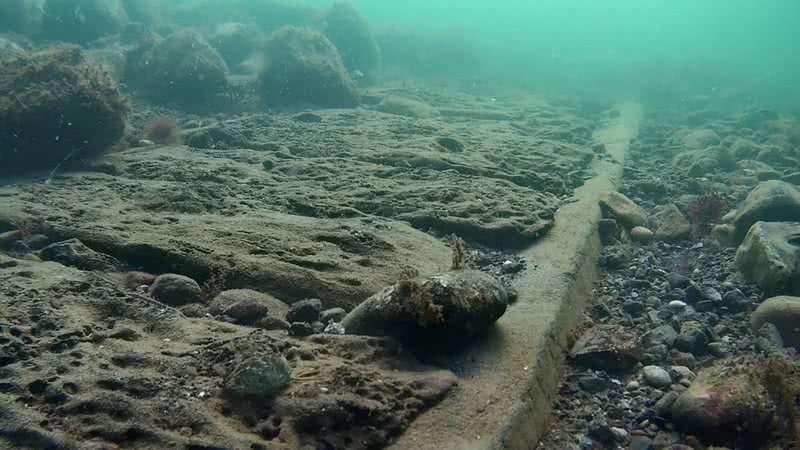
x=304 y=68
x=620 y=207
x=181 y=69
x=82 y=21
x=351 y=35
x=439 y=312
x=770 y=256
x=56 y=107
x=770 y=201
x=783 y=312
x=728 y=402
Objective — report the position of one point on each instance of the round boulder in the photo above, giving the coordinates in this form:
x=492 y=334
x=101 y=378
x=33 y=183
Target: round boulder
x=439 y=312
x=181 y=69
x=258 y=379
x=782 y=311
x=56 y=106
x=351 y=35
x=176 y=290
x=304 y=68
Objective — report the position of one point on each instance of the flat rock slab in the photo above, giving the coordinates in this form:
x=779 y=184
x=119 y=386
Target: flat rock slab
x=507 y=382
x=315 y=209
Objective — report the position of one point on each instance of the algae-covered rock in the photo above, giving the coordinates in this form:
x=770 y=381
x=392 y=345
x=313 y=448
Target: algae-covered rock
x=617 y=205
x=227 y=301
x=770 y=256
x=304 y=68
x=770 y=201
x=56 y=106
x=441 y=311
x=175 y=290
x=259 y=378
x=783 y=312
x=351 y=35
x=747 y=400
x=181 y=69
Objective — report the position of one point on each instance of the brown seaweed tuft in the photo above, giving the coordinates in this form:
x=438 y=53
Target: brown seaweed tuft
x=419 y=299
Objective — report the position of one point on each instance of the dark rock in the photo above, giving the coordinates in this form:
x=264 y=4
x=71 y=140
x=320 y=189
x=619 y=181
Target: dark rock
x=227 y=299
x=442 y=311
x=175 y=290
x=633 y=308
x=601 y=432
x=307 y=310
x=593 y=384
x=662 y=335
x=258 y=379
x=694 y=293
x=677 y=280
x=609 y=231
x=606 y=347
x=270 y=323
x=246 y=312
x=735 y=301
x=301 y=329
x=74 y=253
x=7 y=262
x=614 y=257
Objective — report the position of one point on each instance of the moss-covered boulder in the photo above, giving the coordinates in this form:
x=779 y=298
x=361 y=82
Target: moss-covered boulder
x=182 y=69
x=305 y=69
x=56 y=106
x=258 y=379
x=439 y=312
x=352 y=36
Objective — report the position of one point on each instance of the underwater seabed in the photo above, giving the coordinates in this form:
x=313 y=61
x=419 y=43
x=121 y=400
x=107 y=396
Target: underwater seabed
x=266 y=227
